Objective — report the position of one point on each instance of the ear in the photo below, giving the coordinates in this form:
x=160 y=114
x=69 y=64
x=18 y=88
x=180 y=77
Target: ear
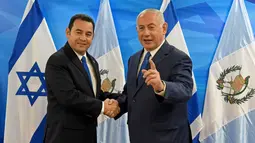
x=165 y=26
x=136 y=28
x=68 y=32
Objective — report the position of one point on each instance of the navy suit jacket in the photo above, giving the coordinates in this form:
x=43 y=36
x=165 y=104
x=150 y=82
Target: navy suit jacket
x=153 y=118
x=73 y=107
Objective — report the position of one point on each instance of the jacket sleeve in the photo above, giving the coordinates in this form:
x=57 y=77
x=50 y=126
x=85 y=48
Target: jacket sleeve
x=179 y=87
x=123 y=100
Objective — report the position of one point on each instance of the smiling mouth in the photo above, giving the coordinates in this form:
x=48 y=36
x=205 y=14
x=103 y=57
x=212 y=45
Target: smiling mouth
x=147 y=41
x=82 y=44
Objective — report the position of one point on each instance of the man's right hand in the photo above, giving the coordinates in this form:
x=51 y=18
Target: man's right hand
x=111 y=107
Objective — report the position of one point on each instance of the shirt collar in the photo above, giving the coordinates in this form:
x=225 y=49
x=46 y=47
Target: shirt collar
x=80 y=56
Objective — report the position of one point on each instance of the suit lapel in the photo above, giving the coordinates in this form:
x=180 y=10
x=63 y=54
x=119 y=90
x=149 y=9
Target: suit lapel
x=96 y=72
x=159 y=56
x=132 y=72
x=137 y=85
x=137 y=59
x=75 y=60
x=142 y=80
x=162 y=53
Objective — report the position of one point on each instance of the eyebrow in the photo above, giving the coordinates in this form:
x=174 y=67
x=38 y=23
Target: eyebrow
x=78 y=30
x=89 y=32
x=151 y=24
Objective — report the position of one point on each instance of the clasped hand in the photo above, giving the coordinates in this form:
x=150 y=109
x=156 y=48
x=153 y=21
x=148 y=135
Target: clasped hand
x=111 y=107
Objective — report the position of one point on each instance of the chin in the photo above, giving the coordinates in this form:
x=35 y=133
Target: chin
x=149 y=48
x=81 y=50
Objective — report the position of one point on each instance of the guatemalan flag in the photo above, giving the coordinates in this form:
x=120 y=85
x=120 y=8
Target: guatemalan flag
x=229 y=115
x=105 y=48
x=26 y=100
x=175 y=37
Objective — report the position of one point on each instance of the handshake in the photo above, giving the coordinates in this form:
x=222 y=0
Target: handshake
x=111 y=108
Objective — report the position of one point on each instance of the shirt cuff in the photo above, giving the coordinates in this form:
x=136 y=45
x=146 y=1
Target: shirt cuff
x=162 y=93
x=102 y=110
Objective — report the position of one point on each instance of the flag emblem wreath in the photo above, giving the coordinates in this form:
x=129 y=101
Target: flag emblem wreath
x=233 y=90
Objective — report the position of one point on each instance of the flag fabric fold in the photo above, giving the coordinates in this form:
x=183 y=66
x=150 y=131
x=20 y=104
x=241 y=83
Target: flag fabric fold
x=229 y=104
x=26 y=99
x=175 y=37
x=105 y=48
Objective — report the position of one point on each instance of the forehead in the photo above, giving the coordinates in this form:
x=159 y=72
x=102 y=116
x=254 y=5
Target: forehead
x=148 y=18
x=82 y=25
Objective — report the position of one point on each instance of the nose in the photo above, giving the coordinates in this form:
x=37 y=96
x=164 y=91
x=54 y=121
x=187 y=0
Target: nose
x=83 y=37
x=146 y=32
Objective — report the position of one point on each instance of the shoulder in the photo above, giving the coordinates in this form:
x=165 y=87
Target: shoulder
x=177 y=53
x=57 y=57
x=137 y=54
x=92 y=59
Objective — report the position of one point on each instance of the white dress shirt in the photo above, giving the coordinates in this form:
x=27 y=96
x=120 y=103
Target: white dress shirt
x=153 y=53
x=93 y=76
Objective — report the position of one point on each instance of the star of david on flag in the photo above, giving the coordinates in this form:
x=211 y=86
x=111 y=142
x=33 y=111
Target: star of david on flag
x=25 y=88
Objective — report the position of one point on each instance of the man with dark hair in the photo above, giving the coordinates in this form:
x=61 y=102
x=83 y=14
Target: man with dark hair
x=75 y=99
x=81 y=17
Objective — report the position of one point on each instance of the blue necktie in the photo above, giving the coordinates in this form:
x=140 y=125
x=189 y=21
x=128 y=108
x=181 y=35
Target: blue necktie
x=143 y=66
x=85 y=65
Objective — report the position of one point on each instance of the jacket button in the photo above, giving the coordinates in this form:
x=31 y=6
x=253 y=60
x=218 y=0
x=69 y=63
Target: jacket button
x=134 y=100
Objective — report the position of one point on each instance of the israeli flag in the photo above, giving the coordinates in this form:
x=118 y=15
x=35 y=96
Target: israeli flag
x=229 y=104
x=26 y=100
x=175 y=37
x=105 y=48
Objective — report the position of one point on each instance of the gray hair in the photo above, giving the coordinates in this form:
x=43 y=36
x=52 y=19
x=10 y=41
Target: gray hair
x=158 y=12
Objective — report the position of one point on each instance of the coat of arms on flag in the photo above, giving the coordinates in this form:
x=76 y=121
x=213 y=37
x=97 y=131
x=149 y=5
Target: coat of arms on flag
x=229 y=104
x=108 y=85
x=233 y=90
x=105 y=48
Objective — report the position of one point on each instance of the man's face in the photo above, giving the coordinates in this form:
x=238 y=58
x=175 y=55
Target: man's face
x=80 y=36
x=151 y=32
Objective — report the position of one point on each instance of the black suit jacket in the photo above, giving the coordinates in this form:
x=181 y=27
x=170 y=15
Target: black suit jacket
x=73 y=107
x=156 y=119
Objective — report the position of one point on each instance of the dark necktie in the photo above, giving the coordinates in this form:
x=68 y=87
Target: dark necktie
x=143 y=66
x=85 y=65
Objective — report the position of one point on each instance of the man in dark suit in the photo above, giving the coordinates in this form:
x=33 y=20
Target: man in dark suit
x=73 y=87
x=159 y=84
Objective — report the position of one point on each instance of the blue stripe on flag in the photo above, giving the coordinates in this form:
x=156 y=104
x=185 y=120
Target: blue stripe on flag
x=240 y=130
x=109 y=130
x=103 y=20
x=170 y=17
x=28 y=26
x=196 y=139
x=193 y=112
x=194 y=109
x=228 y=121
x=241 y=36
x=39 y=133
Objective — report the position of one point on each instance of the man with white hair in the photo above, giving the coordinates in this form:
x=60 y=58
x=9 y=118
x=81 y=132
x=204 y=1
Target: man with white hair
x=159 y=84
